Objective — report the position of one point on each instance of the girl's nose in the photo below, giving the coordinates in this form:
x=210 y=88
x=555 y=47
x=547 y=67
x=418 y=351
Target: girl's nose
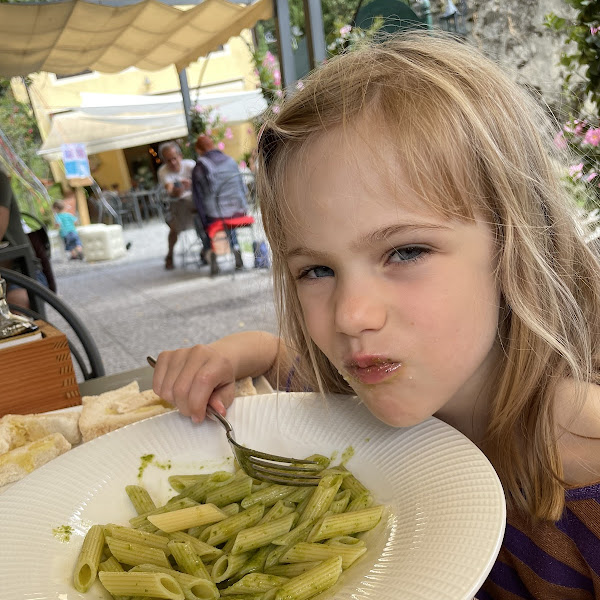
x=359 y=308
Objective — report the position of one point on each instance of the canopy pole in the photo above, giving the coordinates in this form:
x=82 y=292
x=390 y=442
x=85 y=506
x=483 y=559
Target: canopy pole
x=284 y=43
x=315 y=35
x=185 y=94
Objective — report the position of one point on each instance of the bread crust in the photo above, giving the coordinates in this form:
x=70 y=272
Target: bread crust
x=21 y=461
x=18 y=430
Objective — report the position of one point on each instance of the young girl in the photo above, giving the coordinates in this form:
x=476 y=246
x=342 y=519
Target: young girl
x=426 y=258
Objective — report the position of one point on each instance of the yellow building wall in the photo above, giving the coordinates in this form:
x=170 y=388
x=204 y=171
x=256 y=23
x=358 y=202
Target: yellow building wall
x=230 y=69
x=110 y=170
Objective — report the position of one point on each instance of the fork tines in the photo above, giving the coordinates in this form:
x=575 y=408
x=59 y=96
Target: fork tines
x=283 y=470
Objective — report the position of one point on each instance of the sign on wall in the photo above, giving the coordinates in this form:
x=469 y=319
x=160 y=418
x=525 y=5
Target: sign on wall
x=76 y=161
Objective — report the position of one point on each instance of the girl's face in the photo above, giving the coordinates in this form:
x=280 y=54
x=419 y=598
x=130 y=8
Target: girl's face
x=402 y=301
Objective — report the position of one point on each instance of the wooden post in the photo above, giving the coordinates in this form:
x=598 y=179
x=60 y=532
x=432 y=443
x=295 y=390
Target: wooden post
x=82 y=207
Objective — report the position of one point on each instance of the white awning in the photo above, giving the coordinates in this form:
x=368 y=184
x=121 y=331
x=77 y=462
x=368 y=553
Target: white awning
x=109 y=121
x=71 y=36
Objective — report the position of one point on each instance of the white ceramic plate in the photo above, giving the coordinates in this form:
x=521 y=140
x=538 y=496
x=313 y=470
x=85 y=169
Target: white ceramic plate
x=443 y=527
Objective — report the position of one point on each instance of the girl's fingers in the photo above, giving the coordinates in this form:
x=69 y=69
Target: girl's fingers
x=190 y=377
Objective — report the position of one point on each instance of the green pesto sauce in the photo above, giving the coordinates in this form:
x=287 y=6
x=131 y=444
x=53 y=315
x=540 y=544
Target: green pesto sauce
x=347 y=454
x=63 y=533
x=334 y=455
x=148 y=459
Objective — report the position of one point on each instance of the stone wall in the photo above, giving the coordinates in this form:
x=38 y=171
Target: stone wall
x=512 y=32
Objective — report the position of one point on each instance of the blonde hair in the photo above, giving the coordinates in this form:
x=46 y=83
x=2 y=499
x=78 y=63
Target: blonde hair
x=470 y=141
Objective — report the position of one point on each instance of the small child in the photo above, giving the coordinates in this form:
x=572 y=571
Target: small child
x=66 y=222
x=427 y=259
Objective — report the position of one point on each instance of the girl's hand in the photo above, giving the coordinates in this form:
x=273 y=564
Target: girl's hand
x=190 y=378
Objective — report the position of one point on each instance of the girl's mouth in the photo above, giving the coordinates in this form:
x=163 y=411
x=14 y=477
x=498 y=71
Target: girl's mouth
x=372 y=372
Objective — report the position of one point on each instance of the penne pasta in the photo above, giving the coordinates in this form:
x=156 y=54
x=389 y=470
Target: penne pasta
x=254 y=583
x=140 y=498
x=260 y=535
x=345 y=524
x=142 y=520
x=177 y=520
x=152 y=585
x=352 y=484
x=198 y=490
x=220 y=532
x=305 y=552
x=188 y=561
x=256 y=562
x=292 y=569
x=86 y=567
x=312 y=582
x=227 y=566
x=133 y=554
x=233 y=491
x=268 y=495
x=138 y=537
x=205 y=551
x=194 y=588
x=322 y=497
x=180 y=482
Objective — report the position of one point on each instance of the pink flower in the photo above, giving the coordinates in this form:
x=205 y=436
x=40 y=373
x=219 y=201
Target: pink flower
x=243 y=164
x=300 y=85
x=559 y=140
x=276 y=109
x=575 y=171
x=277 y=77
x=221 y=146
x=591 y=176
x=594 y=30
x=279 y=93
x=228 y=133
x=592 y=137
x=345 y=30
x=269 y=60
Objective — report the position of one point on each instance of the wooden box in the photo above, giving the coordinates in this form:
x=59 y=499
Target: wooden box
x=38 y=376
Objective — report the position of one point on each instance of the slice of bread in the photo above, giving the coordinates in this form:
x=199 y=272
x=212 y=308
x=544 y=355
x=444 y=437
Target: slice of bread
x=18 y=430
x=17 y=463
x=114 y=409
x=244 y=387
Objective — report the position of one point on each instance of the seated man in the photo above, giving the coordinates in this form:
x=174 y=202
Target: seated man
x=218 y=190
x=11 y=231
x=175 y=175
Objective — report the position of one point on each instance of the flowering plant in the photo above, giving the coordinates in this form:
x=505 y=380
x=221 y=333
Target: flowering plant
x=582 y=138
x=205 y=120
x=346 y=36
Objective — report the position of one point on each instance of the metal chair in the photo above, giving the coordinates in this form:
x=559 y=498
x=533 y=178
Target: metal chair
x=81 y=332
x=124 y=207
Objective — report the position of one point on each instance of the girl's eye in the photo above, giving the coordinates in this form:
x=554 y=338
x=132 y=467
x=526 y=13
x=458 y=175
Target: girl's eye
x=316 y=273
x=407 y=254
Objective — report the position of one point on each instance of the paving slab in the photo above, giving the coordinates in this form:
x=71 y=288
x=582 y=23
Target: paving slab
x=134 y=307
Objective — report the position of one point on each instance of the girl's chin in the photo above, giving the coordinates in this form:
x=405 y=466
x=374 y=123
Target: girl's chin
x=394 y=417
x=389 y=406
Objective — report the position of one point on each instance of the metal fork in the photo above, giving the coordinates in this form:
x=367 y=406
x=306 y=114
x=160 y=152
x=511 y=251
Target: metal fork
x=262 y=465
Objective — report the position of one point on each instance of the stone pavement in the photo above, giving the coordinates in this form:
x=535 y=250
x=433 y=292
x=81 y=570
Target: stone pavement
x=134 y=307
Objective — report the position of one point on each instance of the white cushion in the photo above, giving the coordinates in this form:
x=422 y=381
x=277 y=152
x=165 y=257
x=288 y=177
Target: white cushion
x=102 y=242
